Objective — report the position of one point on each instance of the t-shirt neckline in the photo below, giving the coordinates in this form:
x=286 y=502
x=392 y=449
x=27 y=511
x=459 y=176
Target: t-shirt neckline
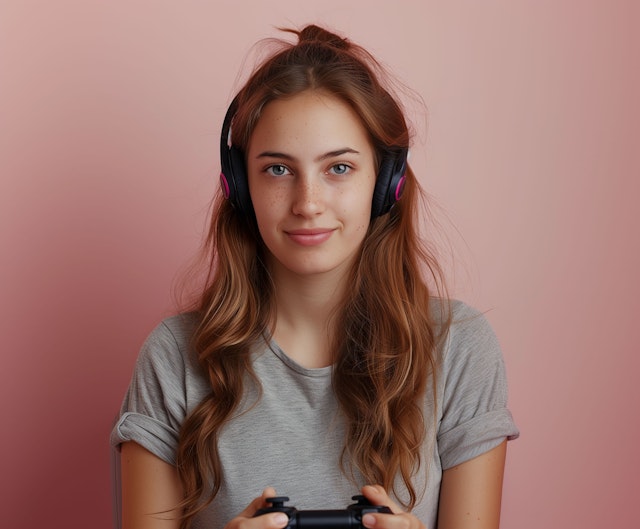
x=316 y=372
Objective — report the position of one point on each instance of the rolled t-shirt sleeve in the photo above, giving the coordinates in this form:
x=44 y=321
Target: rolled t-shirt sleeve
x=474 y=414
x=154 y=406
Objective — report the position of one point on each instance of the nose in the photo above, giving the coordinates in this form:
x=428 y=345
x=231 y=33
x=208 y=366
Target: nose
x=308 y=200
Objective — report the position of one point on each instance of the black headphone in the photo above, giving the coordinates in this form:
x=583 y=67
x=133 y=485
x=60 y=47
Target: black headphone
x=235 y=185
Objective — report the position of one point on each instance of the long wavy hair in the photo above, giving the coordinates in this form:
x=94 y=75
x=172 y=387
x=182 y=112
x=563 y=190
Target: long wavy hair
x=386 y=334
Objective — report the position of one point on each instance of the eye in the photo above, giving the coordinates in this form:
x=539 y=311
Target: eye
x=277 y=170
x=340 y=168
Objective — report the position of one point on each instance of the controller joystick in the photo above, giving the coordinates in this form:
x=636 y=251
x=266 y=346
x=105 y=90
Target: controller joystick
x=349 y=518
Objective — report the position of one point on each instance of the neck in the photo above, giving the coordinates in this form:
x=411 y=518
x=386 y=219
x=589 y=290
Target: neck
x=305 y=306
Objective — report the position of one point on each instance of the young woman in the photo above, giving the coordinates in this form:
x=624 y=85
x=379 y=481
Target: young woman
x=322 y=358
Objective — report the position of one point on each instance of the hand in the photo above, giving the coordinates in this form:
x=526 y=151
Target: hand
x=246 y=520
x=399 y=520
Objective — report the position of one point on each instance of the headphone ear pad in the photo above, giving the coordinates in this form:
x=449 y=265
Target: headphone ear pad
x=239 y=195
x=233 y=177
x=389 y=184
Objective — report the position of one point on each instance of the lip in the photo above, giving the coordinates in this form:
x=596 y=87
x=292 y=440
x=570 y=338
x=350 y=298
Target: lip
x=310 y=237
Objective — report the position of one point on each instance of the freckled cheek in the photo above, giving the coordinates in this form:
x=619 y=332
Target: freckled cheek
x=359 y=223
x=268 y=200
x=279 y=197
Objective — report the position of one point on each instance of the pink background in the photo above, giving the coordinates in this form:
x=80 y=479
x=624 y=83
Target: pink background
x=109 y=119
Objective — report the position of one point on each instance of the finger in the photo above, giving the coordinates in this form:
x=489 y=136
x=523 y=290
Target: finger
x=247 y=519
x=272 y=520
x=391 y=521
x=400 y=519
x=258 y=503
x=269 y=492
x=377 y=495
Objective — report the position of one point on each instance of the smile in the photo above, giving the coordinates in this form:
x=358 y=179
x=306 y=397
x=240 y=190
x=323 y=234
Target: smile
x=311 y=237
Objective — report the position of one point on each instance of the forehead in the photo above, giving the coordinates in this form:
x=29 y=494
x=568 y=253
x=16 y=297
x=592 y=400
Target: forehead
x=311 y=119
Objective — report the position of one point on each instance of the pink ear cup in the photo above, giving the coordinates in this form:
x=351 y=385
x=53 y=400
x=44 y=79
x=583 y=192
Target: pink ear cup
x=400 y=187
x=224 y=185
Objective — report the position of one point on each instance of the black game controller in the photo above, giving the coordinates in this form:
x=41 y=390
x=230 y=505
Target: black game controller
x=349 y=518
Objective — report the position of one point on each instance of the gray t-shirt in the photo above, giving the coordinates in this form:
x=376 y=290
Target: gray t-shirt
x=292 y=436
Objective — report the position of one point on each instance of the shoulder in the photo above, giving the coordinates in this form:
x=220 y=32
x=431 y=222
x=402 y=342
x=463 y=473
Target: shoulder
x=469 y=346
x=469 y=325
x=179 y=326
x=168 y=345
x=462 y=326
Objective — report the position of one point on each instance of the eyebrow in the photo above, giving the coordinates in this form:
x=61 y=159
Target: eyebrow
x=330 y=154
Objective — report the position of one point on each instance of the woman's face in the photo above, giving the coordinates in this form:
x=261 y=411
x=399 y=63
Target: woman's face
x=311 y=176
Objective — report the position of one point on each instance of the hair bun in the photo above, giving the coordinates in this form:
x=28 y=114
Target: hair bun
x=317 y=34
